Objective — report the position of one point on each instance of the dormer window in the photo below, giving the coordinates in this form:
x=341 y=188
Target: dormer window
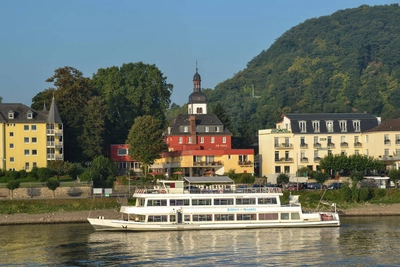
x=185 y=129
x=11 y=114
x=356 y=126
x=329 y=126
x=343 y=126
x=302 y=125
x=29 y=115
x=315 y=125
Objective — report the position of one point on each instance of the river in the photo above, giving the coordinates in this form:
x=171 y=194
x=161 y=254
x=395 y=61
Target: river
x=360 y=241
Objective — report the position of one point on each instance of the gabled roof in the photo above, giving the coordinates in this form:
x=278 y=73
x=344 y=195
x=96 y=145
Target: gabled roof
x=201 y=120
x=367 y=121
x=20 y=112
x=387 y=126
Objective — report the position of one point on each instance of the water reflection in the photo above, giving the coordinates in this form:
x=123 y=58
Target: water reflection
x=360 y=242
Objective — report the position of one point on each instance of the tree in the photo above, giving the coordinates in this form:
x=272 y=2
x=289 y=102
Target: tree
x=93 y=134
x=57 y=167
x=129 y=91
x=44 y=174
x=12 y=185
x=53 y=184
x=321 y=177
x=72 y=93
x=394 y=176
x=283 y=178
x=220 y=112
x=103 y=172
x=146 y=141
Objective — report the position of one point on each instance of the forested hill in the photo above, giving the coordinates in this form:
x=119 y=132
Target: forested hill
x=346 y=62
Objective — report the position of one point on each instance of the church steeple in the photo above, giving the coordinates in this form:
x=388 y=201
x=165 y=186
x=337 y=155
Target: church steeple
x=196 y=81
x=197 y=100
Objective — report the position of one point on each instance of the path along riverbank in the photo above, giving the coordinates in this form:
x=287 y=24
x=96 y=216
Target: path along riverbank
x=81 y=216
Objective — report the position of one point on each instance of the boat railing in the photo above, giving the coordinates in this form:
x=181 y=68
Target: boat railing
x=251 y=190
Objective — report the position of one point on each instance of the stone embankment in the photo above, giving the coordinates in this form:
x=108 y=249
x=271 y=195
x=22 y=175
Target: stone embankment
x=81 y=216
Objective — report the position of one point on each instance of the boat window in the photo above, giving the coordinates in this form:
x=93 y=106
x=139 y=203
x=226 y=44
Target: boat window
x=202 y=217
x=268 y=216
x=186 y=218
x=245 y=201
x=267 y=201
x=157 y=202
x=224 y=217
x=157 y=218
x=295 y=216
x=201 y=202
x=179 y=202
x=246 y=217
x=284 y=216
x=172 y=218
x=223 y=201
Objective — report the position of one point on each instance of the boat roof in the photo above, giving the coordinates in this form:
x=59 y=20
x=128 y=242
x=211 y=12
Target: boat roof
x=208 y=179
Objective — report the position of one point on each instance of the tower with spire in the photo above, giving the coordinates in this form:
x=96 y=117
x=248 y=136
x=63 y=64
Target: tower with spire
x=197 y=100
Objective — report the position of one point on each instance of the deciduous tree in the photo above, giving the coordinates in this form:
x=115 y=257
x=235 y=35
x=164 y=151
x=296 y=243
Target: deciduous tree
x=146 y=141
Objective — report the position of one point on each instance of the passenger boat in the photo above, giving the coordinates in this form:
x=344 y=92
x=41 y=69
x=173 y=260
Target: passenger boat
x=200 y=203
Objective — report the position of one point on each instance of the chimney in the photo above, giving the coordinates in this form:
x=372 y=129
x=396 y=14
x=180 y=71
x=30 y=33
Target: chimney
x=193 y=129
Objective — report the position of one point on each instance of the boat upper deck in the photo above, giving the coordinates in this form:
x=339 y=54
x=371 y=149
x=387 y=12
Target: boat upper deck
x=205 y=185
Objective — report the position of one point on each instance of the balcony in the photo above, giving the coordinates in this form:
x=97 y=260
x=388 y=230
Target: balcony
x=357 y=144
x=316 y=145
x=344 y=144
x=284 y=160
x=331 y=145
x=317 y=159
x=207 y=163
x=398 y=142
x=247 y=163
x=387 y=141
x=284 y=145
x=304 y=159
x=303 y=145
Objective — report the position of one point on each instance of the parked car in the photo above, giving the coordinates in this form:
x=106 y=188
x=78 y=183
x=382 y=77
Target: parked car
x=316 y=186
x=295 y=187
x=335 y=185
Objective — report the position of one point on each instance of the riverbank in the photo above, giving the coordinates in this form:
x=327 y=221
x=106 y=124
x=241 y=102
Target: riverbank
x=81 y=216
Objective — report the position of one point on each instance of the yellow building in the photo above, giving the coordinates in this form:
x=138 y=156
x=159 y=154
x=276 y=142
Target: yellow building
x=29 y=138
x=301 y=140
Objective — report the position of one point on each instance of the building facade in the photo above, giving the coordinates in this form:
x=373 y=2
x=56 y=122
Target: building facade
x=301 y=140
x=29 y=138
x=198 y=144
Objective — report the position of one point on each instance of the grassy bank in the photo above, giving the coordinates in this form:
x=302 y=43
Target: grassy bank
x=310 y=200
x=34 y=206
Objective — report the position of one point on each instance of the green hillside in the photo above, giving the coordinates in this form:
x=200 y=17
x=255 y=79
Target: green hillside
x=346 y=62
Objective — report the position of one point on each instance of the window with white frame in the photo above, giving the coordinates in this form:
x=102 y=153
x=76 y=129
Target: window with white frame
x=26 y=165
x=303 y=127
x=185 y=129
x=11 y=145
x=11 y=115
x=29 y=115
x=212 y=139
x=34 y=152
x=343 y=125
x=207 y=129
x=189 y=140
x=315 y=140
x=34 y=139
x=33 y=127
x=26 y=127
x=224 y=139
x=202 y=139
x=180 y=140
x=26 y=140
x=122 y=152
x=34 y=164
x=315 y=125
x=11 y=159
x=26 y=152
x=329 y=126
x=217 y=129
x=11 y=134
x=356 y=126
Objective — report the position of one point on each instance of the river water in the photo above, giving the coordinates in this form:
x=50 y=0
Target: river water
x=361 y=241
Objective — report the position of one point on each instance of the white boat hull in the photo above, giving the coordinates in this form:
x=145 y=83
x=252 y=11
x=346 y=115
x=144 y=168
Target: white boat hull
x=121 y=225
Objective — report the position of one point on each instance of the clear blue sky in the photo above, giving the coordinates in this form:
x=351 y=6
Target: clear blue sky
x=39 y=36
